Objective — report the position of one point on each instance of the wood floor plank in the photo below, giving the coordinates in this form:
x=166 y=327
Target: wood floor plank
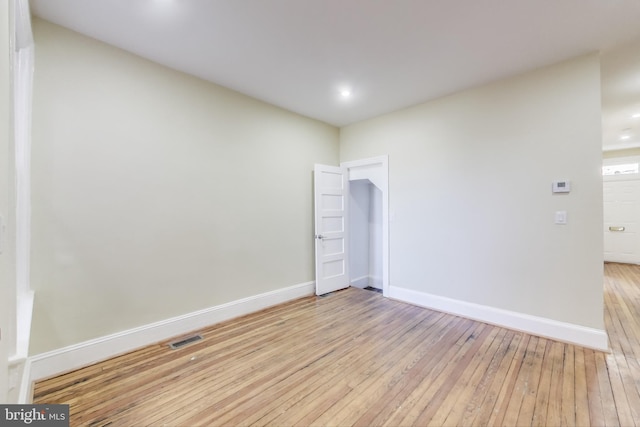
x=610 y=410
x=492 y=407
x=595 y=402
x=375 y=358
x=410 y=401
x=540 y=399
x=520 y=387
x=398 y=380
x=381 y=410
x=484 y=379
x=532 y=385
x=362 y=363
x=356 y=358
x=460 y=399
x=556 y=396
x=581 y=390
x=568 y=384
x=327 y=350
x=446 y=384
x=263 y=373
x=503 y=400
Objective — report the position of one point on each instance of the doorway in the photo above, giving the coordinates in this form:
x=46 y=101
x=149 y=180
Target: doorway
x=365 y=234
x=621 y=201
x=332 y=188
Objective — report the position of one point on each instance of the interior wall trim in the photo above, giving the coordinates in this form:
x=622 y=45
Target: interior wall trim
x=25 y=392
x=376 y=170
x=76 y=356
x=596 y=339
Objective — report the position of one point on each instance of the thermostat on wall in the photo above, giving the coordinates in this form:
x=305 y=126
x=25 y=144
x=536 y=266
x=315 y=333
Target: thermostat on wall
x=561 y=186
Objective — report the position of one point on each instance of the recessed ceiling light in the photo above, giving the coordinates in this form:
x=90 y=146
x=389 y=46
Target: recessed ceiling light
x=635 y=116
x=345 y=93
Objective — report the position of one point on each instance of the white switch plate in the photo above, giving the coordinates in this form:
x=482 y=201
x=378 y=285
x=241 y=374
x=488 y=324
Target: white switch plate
x=561 y=217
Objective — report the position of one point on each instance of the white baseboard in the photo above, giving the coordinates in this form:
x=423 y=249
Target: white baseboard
x=560 y=331
x=364 y=281
x=360 y=282
x=79 y=355
x=375 y=282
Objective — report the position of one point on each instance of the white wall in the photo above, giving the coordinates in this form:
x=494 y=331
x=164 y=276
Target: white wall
x=7 y=207
x=375 y=237
x=157 y=194
x=471 y=209
x=359 y=211
x=365 y=234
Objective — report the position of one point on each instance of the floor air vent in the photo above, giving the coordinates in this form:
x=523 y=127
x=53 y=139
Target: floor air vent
x=185 y=341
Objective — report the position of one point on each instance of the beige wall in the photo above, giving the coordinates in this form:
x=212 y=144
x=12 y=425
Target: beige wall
x=471 y=208
x=156 y=194
x=7 y=208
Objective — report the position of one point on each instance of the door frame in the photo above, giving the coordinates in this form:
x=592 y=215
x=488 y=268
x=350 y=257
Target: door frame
x=376 y=170
x=606 y=179
x=611 y=180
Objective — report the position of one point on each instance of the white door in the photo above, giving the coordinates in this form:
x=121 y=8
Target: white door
x=331 y=200
x=621 y=215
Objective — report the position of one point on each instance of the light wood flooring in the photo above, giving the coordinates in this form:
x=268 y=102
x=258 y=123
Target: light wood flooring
x=356 y=358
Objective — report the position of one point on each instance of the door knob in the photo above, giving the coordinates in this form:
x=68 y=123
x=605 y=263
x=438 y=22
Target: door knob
x=319 y=236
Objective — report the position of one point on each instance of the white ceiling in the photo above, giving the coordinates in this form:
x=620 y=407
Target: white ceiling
x=299 y=54
x=621 y=96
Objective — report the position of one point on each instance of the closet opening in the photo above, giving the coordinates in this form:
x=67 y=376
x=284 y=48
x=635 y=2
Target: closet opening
x=365 y=235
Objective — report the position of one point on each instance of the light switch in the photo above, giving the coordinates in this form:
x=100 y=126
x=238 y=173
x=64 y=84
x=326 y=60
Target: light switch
x=561 y=217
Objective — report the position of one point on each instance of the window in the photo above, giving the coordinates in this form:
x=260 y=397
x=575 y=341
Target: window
x=622 y=169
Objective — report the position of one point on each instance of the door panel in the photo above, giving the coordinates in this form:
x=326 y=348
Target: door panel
x=331 y=191
x=621 y=214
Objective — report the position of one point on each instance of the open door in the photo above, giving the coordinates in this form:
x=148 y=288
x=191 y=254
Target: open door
x=621 y=216
x=331 y=199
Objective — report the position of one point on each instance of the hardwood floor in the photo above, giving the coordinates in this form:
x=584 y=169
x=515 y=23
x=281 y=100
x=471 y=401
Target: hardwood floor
x=356 y=358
